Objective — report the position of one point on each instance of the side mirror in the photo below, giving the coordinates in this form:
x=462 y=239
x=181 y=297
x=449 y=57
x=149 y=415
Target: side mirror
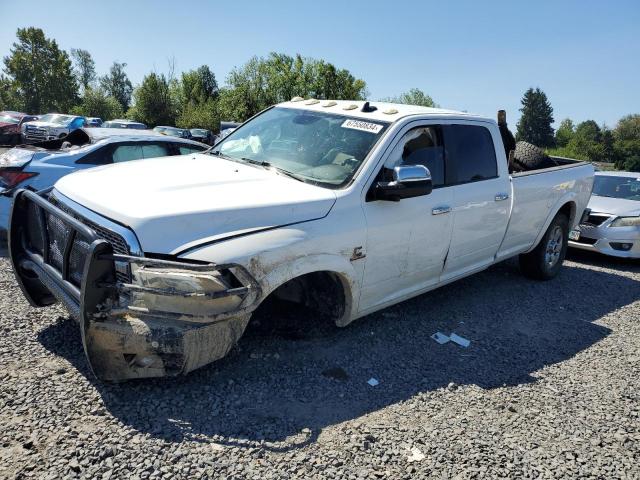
x=408 y=181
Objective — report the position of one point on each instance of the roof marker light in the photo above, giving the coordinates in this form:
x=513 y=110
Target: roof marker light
x=350 y=107
x=297 y=99
x=312 y=101
x=390 y=111
x=330 y=104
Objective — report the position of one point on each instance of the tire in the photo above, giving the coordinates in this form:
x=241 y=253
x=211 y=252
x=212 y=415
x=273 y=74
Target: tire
x=529 y=157
x=545 y=261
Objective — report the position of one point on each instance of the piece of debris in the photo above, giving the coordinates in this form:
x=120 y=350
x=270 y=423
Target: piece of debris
x=440 y=337
x=373 y=382
x=416 y=455
x=336 y=373
x=463 y=342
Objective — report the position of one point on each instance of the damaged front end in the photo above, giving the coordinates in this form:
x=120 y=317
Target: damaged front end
x=139 y=317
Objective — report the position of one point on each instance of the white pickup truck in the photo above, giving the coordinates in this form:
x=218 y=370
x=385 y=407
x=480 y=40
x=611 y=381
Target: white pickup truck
x=346 y=207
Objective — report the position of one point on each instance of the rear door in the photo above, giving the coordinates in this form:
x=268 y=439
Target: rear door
x=481 y=197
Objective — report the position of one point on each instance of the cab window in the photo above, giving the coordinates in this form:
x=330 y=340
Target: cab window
x=470 y=154
x=423 y=146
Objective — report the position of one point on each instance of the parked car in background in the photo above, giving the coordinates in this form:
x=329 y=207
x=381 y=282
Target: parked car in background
x=51 y=126
x=173 y=131
x=202 y=135
x=613 y=224
x=341 y=206
x=39 y=166
x=94 y=122
x=10 y=125
x=120 y=123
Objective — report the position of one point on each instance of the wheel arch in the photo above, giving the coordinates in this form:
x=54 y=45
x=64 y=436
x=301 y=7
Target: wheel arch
x=567 y=205
x=311 y=269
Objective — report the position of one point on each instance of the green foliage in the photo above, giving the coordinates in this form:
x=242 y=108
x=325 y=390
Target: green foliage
x=564 y=133
x=415 y=96
x=153 y=101
x=200 y=115
x=261 y=82
x=537 y=116
x=40 y=73
x=588 y=141
x=96 y=103
x=84 y=67
x=195 y=98
x=117 y=84
x=626 y=145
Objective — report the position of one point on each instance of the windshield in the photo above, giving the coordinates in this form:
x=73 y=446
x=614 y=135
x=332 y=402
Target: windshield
x=56 y=119
x=317 y=147
x=9 y=119
x=197 y=131
x=627 y=188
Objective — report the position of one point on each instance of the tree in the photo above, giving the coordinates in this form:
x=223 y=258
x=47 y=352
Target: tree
x=415 y=96
x=196 y=99
x=152 y=101
x=96 y=103
x=537 y=116
x=564 y=133
x=586 y=142
x=626 y=144
x=117 y=84
x=261 y=82
x=84 y=67
x=199 y=85
x=40 y=73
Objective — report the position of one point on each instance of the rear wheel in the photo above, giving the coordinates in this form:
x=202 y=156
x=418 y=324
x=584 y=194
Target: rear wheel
x=544 y=262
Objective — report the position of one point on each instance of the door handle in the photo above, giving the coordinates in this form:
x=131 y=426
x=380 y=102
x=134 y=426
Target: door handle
x=501 y=196
x=440 y=210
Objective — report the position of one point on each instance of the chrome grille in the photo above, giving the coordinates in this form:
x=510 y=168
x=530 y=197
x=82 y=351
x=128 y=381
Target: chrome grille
x=37 y=133
x=595 y=219
x=80 y=247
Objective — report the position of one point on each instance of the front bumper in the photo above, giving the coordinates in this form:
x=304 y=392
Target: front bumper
x=622 y=242
x=168 y=319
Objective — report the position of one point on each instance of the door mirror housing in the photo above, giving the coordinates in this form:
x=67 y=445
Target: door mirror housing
x=408 y=181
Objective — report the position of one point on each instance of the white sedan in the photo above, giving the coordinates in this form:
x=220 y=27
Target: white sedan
x=613 y=226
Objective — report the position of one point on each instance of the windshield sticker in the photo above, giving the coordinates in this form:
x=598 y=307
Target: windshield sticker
x=362 y=126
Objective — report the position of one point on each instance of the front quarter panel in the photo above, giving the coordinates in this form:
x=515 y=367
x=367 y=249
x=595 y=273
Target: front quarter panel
x=276 y=256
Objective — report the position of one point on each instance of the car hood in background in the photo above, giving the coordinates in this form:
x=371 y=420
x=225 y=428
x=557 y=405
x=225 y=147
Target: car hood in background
x=173 y=203
x=614 y=206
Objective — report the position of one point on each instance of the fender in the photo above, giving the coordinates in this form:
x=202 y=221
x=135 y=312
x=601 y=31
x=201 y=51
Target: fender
x=569 y=197
x=282 y=256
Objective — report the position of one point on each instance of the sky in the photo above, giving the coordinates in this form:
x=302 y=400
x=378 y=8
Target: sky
x=477 y=56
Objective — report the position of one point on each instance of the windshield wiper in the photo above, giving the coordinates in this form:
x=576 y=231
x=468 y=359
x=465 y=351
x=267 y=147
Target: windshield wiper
x=288 y=174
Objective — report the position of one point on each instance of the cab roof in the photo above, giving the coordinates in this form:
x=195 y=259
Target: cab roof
x=384 y=111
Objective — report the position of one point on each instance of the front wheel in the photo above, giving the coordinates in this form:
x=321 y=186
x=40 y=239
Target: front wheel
x=544 y=261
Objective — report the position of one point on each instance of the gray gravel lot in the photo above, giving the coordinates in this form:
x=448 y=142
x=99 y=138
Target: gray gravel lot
x=548 y=388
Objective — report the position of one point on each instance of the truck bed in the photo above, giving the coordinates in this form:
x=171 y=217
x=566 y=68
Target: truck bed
x=536 y=193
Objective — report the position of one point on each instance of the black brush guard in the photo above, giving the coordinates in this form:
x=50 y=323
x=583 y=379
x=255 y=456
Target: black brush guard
x=46 y=266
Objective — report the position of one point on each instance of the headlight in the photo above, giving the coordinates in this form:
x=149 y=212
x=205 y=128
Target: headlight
x=626 y=222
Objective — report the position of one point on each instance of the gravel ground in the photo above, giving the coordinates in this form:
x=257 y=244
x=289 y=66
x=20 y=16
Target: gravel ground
x=548 y=388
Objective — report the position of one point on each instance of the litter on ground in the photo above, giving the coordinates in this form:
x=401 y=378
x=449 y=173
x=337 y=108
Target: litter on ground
x=440 y=337
x=463 y=342
x=373 y=382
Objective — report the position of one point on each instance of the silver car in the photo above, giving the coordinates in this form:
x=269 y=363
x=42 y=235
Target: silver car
x=613 y=225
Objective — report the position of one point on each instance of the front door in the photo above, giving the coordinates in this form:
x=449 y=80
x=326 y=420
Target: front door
x=407 y=241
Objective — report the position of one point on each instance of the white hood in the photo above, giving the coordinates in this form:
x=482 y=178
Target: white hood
x=172 y=203
x=614 y=206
